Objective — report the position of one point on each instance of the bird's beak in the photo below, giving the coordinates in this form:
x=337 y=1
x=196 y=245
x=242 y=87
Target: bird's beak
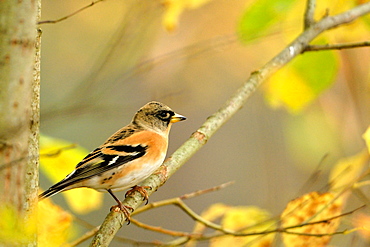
x=177 y=118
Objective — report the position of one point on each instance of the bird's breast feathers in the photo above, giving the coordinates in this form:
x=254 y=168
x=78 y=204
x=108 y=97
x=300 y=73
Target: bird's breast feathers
x=128 y=174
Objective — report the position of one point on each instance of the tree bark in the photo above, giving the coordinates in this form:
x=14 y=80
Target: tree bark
x=19 y=116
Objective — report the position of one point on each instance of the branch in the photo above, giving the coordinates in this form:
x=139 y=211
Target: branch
x=172 y=201
x=337 y=46
x=162 y=230
x=201 y=192
x=321 y=221
x=176 y=199
x=70 y=15
x=84 y=237
x=183 y=240
x=309 y=14
x=319 y=234
x=220 y=231
x=115 y=220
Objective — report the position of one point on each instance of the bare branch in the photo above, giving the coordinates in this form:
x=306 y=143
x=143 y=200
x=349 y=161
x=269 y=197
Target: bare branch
x=183 y=240
x=70 y=15
x=200 y=219
x=176 y=199
x=322 y=221
x=196 y=217
x=336 y=46
x=201 y=192
x=317 y=234
x=58 y=151
x=163 y=231
x=309 y=14
x=84 y=237
x=172 y=201
x=312 y=179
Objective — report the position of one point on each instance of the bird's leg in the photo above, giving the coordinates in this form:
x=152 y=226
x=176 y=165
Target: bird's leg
x=121 y=207
x=141 y=190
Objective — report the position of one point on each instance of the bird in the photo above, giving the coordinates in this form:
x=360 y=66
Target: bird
x=126 y=158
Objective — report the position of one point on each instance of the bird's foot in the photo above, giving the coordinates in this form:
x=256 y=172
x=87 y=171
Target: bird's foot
x=141 y=190
x=124 y=209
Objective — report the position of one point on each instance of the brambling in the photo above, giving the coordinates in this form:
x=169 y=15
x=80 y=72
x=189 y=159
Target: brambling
x=128 y=157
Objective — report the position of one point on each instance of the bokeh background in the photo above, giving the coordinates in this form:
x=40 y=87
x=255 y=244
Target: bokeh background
x=103 y=64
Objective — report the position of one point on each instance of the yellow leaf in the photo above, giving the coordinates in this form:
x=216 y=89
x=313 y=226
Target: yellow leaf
x=84 y=200
x=54 y=224
x=303 y=80
x=357 y=30
x=294 y=15
x=15 y=230
x=247 y=219
x=362 y=222
x=312 y=207
x=366 y=137
x=215 y=211
x=325 y=7
x=212 y=213
x=345 y=173
x=174 y=8
x=57 y=159
x=287 y=88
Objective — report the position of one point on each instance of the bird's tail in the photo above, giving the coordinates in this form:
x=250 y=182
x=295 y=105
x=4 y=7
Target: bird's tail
x=55 y=189
x=48 y=193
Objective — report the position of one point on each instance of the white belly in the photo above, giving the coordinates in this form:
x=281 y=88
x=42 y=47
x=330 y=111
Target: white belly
x=129 y=180
x=135 y=177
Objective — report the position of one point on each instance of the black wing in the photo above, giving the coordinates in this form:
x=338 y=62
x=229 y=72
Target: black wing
x=97 y=162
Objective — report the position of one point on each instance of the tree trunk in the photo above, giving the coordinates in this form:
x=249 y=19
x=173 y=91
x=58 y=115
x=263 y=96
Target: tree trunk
x=19 y=120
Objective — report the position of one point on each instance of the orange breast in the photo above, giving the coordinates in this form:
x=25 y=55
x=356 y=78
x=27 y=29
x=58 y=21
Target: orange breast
x=134 y=172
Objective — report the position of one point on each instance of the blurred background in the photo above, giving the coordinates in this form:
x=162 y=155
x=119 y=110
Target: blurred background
x=100 y=66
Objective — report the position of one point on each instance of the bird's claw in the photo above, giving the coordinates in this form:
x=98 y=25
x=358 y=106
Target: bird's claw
x=141 y=190
x=124 y=209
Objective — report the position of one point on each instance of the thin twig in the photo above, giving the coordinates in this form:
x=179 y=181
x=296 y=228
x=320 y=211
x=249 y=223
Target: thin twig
x=201 y=192
x=174 y=200
x=57 y=151
x=313 y=177
x=183 y=240
x=84 y=237
x=319 y=235
x=70 y=15
x=299 y=225
x=51 y=153
x=163 y=230
x=324 y=220
x=214 y=226
x=309 y=14
x=336 y=46
x=133 y=242
x=92 y=232
x=200 y=219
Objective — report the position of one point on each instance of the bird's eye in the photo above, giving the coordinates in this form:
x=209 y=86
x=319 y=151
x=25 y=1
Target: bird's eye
x=164 y=115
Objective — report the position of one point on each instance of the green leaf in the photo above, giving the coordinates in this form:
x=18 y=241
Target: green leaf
x=299 y=83
x=260 y=16
x=317 y=68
